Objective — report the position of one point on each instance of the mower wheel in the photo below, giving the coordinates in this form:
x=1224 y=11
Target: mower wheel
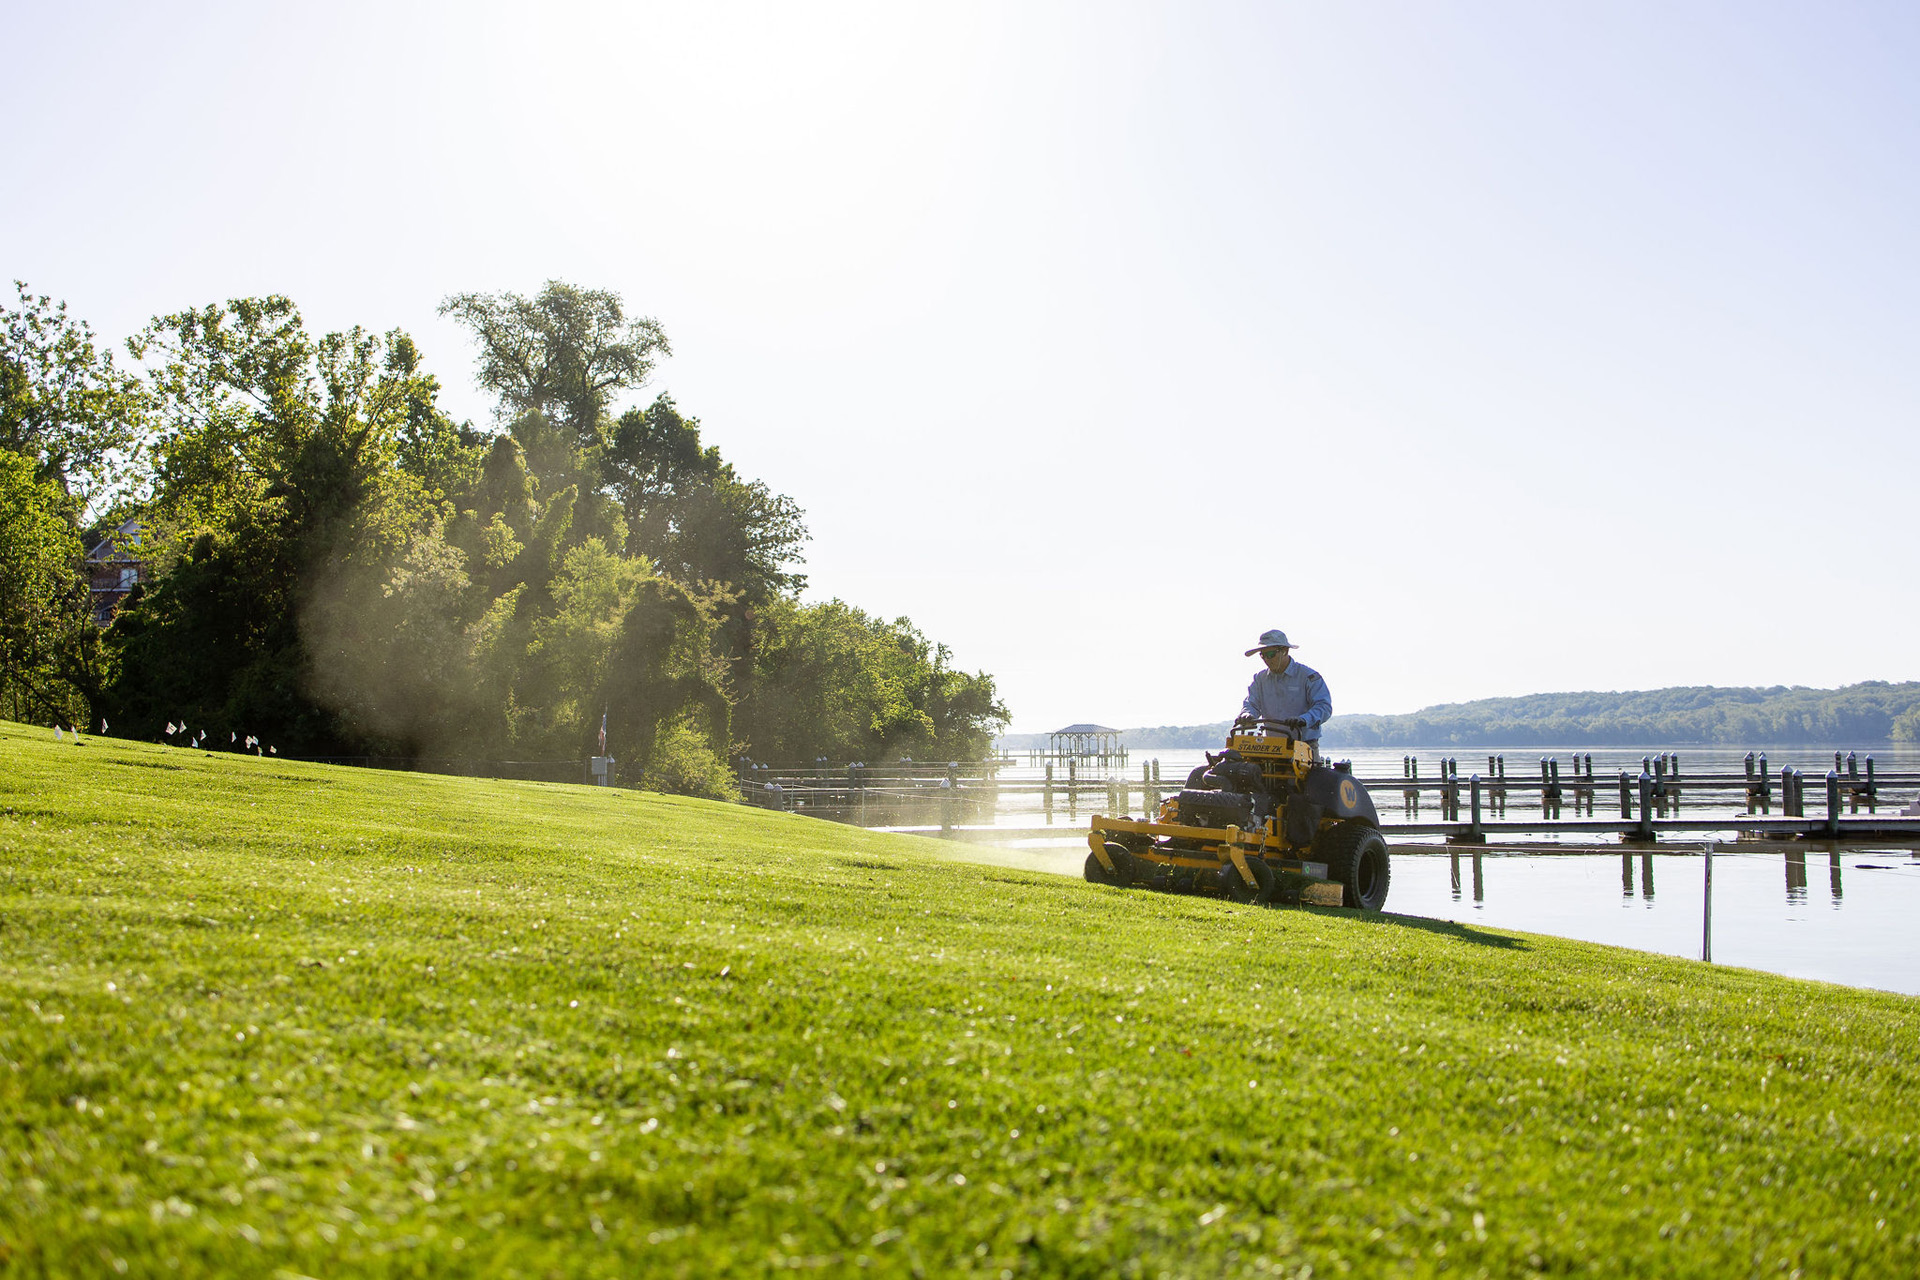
x=1356 y=858
x=1122 y=874
x=1235 y=885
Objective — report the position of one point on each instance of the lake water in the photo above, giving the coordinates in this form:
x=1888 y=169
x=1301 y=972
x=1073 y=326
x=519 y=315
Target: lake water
x=1840 y=913
x=1837 y=913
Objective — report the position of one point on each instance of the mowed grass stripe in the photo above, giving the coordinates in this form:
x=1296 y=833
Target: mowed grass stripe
x=258 y=1016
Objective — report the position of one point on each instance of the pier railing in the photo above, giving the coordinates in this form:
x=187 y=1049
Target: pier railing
x=1851 y=799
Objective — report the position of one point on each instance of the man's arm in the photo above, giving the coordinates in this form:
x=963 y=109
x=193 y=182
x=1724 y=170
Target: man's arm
x=1247 y=707
x=1319 y=702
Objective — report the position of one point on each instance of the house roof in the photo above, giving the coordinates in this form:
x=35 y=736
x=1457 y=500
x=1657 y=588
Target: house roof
x=121 y=544
x=1086 y=728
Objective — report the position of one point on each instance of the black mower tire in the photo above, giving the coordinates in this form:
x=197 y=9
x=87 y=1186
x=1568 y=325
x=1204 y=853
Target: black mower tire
x=1356 y=858
x=1235 y=886
x=1122 y=874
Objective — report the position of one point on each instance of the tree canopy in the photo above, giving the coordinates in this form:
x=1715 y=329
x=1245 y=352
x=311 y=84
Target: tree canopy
x=565 y=352
x=337 y=566
x=63 y=403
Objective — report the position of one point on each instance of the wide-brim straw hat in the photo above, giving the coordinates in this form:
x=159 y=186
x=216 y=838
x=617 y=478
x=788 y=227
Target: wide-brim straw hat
x=1272 y=640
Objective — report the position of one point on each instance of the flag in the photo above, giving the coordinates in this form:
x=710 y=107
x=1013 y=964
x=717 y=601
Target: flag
x=603 y=731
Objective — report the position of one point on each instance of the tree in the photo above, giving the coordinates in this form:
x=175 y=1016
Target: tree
x=64 y=404
x=343 y=570
x=444 y=456
x=564 y=353
x=690 y=512
x=655 y=453
x=278 y=499
x=43 y=604
x=666 y=691
x=831 y=680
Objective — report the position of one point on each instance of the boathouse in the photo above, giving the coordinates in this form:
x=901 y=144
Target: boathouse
x=1093 y=742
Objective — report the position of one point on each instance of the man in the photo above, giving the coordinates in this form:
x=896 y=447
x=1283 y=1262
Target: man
x=1289 y=692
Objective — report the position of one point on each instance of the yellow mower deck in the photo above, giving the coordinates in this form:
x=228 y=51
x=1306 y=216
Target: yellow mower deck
x=1216 y=846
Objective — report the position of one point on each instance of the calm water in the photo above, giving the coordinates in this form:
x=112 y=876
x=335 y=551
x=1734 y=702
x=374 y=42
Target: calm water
x=1840 y=914
x=1837 y=913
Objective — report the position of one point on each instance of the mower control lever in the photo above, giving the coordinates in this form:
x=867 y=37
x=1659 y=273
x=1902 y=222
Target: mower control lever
x=1292 y=724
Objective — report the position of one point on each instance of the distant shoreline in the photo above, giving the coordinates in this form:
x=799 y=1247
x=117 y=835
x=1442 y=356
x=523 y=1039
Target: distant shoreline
x=1873 y=713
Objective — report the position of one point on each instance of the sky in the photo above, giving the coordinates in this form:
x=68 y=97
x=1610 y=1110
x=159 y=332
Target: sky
x=1486 y=348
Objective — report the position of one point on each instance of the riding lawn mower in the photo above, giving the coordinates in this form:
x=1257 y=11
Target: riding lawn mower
x=1263 y=821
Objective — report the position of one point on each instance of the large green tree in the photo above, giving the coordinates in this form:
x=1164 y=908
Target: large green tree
x=65 y=405
x=694 y=515
x=564 y=353
x=832 y=680
x=72 y=435
x=277 y=500
x=45 y=626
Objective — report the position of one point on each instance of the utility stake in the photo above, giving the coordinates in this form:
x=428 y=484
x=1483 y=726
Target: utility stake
x=1706 y=920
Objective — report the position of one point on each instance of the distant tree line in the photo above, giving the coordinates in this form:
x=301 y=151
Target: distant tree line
x=1863 y=714
x=337 y=566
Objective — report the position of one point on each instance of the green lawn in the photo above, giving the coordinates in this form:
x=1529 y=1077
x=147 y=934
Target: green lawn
x=262 y=1018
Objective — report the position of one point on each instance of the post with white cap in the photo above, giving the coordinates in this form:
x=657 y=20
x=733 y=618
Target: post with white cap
x=1706 y=918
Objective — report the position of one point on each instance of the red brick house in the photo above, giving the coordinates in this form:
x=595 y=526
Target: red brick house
x=114 y=568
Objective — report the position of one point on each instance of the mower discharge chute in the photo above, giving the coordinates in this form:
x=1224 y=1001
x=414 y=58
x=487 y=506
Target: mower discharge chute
x=1262 y=821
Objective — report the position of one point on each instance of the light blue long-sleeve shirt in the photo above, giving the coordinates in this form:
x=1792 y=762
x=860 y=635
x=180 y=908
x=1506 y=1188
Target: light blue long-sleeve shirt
x=1297 y=691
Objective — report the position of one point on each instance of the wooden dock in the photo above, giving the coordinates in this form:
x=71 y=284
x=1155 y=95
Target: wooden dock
x=1854 y=801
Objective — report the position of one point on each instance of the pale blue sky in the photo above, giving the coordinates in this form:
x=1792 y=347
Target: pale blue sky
x=1487 y=348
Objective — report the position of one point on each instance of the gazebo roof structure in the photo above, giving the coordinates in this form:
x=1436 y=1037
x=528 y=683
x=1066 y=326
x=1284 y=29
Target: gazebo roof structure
x=1086 y=742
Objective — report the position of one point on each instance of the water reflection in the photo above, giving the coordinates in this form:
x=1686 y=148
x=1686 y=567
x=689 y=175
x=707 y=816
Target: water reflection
x=1765 y=914
x=1796 y=868
x=1794 y=861
x=1479 y=875
x=1626 y=877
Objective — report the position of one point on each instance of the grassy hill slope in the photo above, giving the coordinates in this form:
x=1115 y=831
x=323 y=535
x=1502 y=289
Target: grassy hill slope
x=261 y=1017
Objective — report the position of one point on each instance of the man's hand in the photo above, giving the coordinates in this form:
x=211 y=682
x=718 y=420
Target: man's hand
x=1294 y=722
